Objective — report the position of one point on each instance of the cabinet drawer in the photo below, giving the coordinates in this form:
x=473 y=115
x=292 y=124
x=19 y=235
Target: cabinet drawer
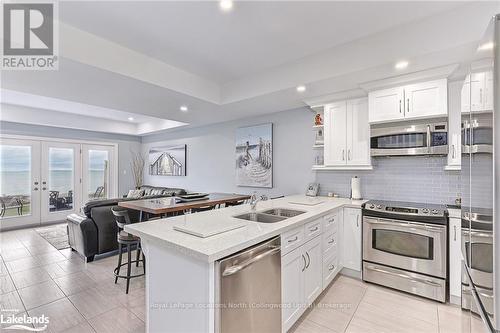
x=330 y=242
x=330 y=270
x=312 y=229
x=292 y=239
x=331 y=221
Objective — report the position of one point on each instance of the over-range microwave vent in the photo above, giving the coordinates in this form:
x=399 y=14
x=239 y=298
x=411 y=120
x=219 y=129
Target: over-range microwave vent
x=409 y=139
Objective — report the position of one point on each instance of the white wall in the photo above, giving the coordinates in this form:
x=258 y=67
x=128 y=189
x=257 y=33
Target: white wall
x=211 y=154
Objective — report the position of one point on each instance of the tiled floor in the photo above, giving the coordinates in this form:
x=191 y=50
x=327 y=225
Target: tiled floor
x=353 y=306
x=37 y=279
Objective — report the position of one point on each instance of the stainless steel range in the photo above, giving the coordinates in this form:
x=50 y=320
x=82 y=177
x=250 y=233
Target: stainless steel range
x=405 y=247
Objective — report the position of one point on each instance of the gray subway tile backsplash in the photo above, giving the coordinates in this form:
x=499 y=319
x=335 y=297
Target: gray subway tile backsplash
x=414 y=179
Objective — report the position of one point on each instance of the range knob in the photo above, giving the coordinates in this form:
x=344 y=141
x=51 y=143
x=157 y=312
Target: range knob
x=425 y=210
x=372 y=206
x=379 y=206
x=435 y=211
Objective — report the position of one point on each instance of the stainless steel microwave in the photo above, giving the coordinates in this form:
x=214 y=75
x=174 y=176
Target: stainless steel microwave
x=409 y=139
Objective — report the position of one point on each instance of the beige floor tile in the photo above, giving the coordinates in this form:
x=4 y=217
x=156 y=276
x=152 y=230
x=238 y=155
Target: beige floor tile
x=15 y=253
x=11 y=301
x=40 y=294
x=452 y=319
x=3 y=269
x=50 y=257
x=402 y=304
x=75 y=283
x=41 y=249
x=30 y=277
x=307 y=326
x=100 y=273
x=342 y=296
x=134 y=301
x=117 y=320
x=332 y=319
x=22 y=264
x=389 y=320
x=92 y=302
x=6 y=284
x=72 y=266
x=82 y=328
x=136 y=283
x=62 y=315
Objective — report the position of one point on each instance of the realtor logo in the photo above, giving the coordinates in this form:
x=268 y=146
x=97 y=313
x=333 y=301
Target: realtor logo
x=29 y=36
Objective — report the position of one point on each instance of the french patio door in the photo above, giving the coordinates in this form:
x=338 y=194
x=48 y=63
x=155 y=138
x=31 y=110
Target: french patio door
x=20 y=186
x=98 y=174
x=60 y=180
x=43 y=181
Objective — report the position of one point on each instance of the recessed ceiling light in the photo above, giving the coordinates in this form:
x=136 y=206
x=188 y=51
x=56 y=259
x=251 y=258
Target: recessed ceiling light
x=130 y=118
x=486 y=46
x=401 y=65
x=301 y=88
x=184 y=108
x=226 y=5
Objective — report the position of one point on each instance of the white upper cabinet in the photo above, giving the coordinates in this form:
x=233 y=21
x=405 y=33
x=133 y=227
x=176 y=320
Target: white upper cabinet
x=358 y=132
x=454 y=126
x=386 y=104
x=426 y=99
x=335 y=134
x=420 y=100
x=347 y=134
x=477 y=92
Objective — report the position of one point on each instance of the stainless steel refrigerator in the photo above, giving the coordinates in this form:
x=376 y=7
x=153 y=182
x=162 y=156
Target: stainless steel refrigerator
x=481 y=181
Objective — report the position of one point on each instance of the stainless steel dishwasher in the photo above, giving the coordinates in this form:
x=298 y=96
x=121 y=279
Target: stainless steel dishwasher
x=248 y=290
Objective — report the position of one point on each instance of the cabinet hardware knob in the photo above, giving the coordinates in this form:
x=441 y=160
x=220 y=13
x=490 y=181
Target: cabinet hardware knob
x=293 y=240
x=308 y=260
x=331 y=267
x=315 y=229
x=331 y=241
x=304 y=258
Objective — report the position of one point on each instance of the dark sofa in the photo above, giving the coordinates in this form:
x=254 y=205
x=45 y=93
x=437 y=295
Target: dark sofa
x=94 y=231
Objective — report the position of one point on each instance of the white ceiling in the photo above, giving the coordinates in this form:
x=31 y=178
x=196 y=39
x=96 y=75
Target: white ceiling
x=149 y=58
x=254 y=36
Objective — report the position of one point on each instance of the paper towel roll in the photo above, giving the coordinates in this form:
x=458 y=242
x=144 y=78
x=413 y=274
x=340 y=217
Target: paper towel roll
x=355 y=188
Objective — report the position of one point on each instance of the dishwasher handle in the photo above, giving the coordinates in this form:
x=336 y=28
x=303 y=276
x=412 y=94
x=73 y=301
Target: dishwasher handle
x=236 y=268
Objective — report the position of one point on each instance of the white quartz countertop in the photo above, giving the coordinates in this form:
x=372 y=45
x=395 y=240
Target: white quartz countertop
x=161 y=232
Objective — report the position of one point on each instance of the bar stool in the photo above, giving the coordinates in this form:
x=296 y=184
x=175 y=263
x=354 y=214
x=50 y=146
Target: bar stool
x=126 y=240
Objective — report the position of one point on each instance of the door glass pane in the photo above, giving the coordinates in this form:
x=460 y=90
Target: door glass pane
x=61 y=179
x=411 y=140
x=403 y=243
x=98 y=175
x=15 y=181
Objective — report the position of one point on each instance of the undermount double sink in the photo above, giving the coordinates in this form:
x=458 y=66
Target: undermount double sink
x=270 y=216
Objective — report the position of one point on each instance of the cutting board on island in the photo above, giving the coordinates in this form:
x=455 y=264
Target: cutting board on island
x=200 y=226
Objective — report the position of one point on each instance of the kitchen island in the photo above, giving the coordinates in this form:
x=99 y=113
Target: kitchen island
x=180 y=274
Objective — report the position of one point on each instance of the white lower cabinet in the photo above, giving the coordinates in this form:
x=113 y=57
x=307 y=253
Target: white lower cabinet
x=292 y=287
x=313 y=273
x=351 y=239
x=455 y=257
x=310 y=261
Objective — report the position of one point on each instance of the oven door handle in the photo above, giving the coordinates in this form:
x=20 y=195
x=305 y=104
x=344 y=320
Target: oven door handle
x=410 y=278
x=406 y=224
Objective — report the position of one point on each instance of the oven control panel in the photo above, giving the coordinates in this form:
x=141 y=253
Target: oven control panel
x=405 y=208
